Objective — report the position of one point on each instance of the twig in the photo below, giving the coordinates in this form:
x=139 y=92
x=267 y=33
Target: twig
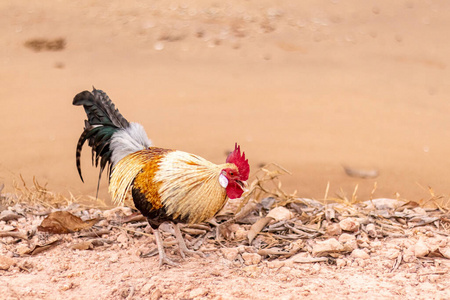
x=440 y=272
x=14 y=234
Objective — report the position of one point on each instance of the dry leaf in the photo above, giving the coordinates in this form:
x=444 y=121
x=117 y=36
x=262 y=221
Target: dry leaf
x=64 y=222
x=257 y=227
x=41 y=248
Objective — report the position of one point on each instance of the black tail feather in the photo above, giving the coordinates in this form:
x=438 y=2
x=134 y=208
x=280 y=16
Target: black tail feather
x=103 y=121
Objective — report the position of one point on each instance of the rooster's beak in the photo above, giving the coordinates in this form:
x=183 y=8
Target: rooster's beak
x=242 y=184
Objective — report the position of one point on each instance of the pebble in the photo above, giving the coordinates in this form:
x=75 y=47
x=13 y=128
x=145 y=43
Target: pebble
x=147 y=288
x=409 y=254
x=122 y=238
x=349 y=224
x=84 y=245
x=445 y=252
x=326 y=247
x=8 y=228
x=371 y=230
x=251 y=271
x=359 y=253
x=230 y=253
x=6 y=262
x=156 y=294
x=275 y=264
x=198 y=292
x=334 y=229
x=112 y=213
x=114 y=257
x=280 y=213
x=251 y=258
x=392 y=253
x=348 y=241
x=340 y=263
x=239 y=232
x=23 y=249
x=421 y=249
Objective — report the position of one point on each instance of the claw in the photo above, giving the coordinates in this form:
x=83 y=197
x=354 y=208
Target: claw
x=163 y=259
x=182 y=245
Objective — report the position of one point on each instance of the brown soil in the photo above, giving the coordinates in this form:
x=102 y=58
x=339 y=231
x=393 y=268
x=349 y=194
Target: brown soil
x=311 y=85
x=107 y=262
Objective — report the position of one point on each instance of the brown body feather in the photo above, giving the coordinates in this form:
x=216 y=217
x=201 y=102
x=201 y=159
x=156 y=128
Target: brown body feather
x=168 y=185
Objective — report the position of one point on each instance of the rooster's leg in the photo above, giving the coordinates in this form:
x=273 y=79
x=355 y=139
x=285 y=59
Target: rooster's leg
x=162 y=254
x=183 y=249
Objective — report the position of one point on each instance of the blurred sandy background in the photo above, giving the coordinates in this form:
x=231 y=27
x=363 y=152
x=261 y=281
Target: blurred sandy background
x=310 y=85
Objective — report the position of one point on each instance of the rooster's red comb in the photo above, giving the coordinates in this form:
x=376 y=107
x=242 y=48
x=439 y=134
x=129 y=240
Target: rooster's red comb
x=239 y=160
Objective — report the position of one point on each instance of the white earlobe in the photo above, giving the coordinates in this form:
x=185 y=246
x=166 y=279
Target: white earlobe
x=223 y=181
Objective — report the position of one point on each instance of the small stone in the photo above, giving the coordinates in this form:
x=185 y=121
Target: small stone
x=122 y=238
x=230 y=253
x=102 y=223
x=84 y=245
x=348 y=241
x=23 y=249
x=409 y=255
x=156 y=294
x=340 y=263
x=445 y=252
x=158 y=46
x=361 y=262
x=421 y=249
x=251 y=271
x=6 y=262
x=251 y=258
x=147 y=288
x=359 y=253
x=114 y=258
x=282 y=277
x=238 y=232
x=241 y=234
x=280 y=213
x=117 y=211
x=383 y=204
x=198 y=292
x=8 y=228
x=327 y=247
x=349 y=224
x=275 y=264
x=371 y=230
x=334 y=229
x=392 y=253
x=345 y=238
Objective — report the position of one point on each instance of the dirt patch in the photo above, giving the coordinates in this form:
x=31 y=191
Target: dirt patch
x=381 y=248
x=46 y=45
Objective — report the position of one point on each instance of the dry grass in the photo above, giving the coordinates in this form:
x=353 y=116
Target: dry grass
x=38 y=194
x=266 y=183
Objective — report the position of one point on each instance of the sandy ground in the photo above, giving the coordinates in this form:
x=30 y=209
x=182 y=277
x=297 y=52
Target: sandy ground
x=106 y=262
x=311 y=85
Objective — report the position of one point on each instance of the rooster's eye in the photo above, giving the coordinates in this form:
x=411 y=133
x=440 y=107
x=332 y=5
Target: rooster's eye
x=231 y=173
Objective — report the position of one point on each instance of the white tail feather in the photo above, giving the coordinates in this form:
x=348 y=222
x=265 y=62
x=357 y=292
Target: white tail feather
x=128 y=140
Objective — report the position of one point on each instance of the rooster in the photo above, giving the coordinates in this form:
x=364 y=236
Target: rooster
x=165 y=185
